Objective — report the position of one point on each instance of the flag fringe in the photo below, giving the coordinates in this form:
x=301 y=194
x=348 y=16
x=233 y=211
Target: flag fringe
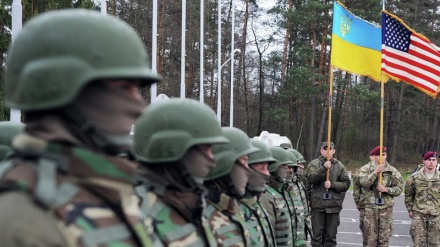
x=433 y=95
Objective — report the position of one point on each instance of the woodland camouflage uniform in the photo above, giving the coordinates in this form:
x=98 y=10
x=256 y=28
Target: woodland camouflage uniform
x=275 y=200
x=64 y=185
x=252 y=212
x=298 y=182
x=224 y=185
x=378 y=219
x=422 y=198
x=173 y=199
x=296 y=204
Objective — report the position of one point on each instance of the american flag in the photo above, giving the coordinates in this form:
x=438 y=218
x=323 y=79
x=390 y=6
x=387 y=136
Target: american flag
x=409 y=56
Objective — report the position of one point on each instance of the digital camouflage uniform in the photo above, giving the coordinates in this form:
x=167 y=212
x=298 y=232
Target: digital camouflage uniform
x=275 y=201
x=64 y=184
x=172 y=200
x=378 y=219
x=223 y=211
x=422 y=198
x=325 y=213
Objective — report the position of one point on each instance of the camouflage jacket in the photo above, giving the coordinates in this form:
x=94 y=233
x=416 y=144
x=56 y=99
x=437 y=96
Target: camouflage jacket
x=302 y=192
x=177 y=217
x=224 y=220
x=274 y=201
x=261 y=233
x=294 y=196
x=316 y=176
x=68 y=196
x=357 y=192
x=368 y=179
x=422 y=195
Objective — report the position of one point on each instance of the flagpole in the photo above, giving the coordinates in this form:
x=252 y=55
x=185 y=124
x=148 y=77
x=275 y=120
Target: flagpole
x=329 y=125
x=382 y=103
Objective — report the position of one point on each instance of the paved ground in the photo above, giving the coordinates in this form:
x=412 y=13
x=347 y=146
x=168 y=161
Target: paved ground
x=350 y=235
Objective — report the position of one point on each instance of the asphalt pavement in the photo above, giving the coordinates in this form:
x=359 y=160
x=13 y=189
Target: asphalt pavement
x=349 y=233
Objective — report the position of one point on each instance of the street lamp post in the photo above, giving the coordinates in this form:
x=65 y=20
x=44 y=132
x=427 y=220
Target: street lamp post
x=17 y=13
x=219 y=86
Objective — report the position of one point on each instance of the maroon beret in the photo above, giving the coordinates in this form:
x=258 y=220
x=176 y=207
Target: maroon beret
x=429 y=154
x=376 y=151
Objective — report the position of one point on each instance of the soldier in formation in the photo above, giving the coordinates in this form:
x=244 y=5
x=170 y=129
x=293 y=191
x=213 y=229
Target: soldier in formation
x=326 y=196
x=275 y=198
x=378 y=198
x=175 y=157
x=422 y=200
x=227 y=185
x=254 y=215
x=298 y=181
x=297 y=206
x=64 y=184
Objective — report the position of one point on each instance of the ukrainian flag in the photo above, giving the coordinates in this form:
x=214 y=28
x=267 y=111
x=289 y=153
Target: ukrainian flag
x=356 y=44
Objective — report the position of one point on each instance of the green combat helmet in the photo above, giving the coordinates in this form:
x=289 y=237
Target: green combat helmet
x=8 y=130
x=293 y=157
x=57 y=54
x=299 y=156
x=167 y=130
x=227 y=154
x=282 y=157
x=263 y=155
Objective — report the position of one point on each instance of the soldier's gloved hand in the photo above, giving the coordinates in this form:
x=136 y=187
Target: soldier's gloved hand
x=379 y=169
x=327 y=184
x=328 y=164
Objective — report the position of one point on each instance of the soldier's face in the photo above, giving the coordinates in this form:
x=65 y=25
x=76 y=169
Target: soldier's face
x=207 y=150
x=290 y=174
x=124 y=86
x=377 y=158
x=325 y=153
x=283 y=171
x=261 y=168
x=430 y=164
x=243 y=160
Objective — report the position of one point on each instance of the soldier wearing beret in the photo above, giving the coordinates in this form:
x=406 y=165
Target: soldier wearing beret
x=325 y=210
x=422 y=200
x=378 y=197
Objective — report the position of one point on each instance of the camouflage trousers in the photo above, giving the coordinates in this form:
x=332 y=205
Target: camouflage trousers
x=361 y=225
x=425 y=230
x=377 y=227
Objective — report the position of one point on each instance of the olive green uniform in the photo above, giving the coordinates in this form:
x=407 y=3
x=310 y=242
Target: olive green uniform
x=325 y=213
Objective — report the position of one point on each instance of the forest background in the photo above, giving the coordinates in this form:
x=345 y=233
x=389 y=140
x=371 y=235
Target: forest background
x=281 y=77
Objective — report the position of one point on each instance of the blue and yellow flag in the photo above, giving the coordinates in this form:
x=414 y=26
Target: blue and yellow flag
x=356 y=44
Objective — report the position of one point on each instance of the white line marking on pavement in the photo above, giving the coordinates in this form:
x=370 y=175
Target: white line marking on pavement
x=397 y=222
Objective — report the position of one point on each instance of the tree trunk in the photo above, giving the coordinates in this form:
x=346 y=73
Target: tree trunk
x=286 y=41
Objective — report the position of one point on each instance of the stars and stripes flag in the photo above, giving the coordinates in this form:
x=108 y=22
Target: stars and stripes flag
x=409 y=56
